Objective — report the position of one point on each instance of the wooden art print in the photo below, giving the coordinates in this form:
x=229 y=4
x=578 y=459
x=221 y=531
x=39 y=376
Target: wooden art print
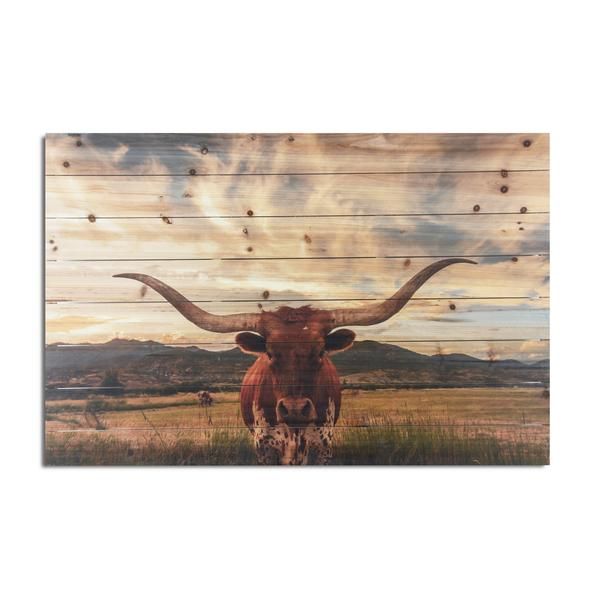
x=356 y=299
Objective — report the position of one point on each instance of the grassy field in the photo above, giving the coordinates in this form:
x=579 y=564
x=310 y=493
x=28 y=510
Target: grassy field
x=505 y=426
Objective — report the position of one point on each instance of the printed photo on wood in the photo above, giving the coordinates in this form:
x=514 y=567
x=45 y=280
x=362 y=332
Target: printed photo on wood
x=296 y=299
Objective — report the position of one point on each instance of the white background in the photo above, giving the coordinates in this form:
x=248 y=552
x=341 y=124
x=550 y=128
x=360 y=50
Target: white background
x=336 y=532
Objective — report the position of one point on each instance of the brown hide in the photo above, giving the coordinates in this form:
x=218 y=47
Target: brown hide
x=293 y=362
x=259 y=389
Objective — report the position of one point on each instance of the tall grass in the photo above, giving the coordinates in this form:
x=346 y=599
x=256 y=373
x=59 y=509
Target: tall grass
x=435 y=445
x=420 y=441
x=224 y=447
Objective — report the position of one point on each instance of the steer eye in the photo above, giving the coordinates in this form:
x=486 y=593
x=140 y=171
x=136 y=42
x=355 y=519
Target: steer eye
x=269 y=355
x=322 y=354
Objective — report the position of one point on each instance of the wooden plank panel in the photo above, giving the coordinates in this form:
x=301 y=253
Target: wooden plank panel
x=420 y=319
x=297 y=237
x=160 y=154
x=213 y=196
x=528 y=350
x=71 y=420
x=517 y=408
x=307 y=281
x=209 y=281
x=432 y=305
x=244 y=223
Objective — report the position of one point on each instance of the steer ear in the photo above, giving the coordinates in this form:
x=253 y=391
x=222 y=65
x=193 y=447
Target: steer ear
x=251 y=343
x=339 y=340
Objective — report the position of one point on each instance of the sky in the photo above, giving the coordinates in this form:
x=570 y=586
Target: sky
x=317 y=233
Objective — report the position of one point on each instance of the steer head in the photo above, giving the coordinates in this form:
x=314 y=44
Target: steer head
x=291 y=396
x=295 y=377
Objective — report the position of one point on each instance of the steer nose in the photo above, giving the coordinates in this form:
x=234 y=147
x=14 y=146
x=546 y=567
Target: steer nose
x=296 y=411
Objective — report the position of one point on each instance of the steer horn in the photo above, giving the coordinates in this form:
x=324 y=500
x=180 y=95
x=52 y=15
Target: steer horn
x=372 y=315
x=199 y=317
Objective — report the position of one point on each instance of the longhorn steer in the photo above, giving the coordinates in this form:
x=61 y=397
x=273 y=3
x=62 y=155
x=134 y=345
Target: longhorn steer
x=290 y=396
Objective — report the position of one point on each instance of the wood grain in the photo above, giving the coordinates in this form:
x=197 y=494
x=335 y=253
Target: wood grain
x=420 y=319
x=227 y=154
x=523 y=408
x=141 y=427
x=250 y=222
x=296 y=195
x=498 y=349
x=297 y=237
x=308 y=281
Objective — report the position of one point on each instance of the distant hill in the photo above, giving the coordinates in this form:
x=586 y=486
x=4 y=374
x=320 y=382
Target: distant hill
x=152 y=366
x=120 y=353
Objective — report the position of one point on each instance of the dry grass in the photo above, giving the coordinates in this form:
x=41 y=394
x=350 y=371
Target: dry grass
x=452 y=427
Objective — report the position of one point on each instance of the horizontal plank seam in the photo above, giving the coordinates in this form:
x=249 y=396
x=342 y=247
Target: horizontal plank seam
x=384 y=341
x=297 y=173
x=234 y=258
x=244 y=427
x=428 y=361
x=276 y=300
x=349 y=386
x=160 y=217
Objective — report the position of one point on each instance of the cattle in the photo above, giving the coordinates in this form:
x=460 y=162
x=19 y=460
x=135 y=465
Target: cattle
x=204 y=398
x=290 y=396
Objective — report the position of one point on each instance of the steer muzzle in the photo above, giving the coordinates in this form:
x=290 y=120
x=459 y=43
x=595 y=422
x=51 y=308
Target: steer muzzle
x=296 y=412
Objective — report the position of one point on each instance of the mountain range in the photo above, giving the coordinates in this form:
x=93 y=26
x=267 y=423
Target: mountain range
x=149 y=366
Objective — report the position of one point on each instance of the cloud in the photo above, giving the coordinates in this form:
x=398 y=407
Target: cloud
x=221 y=197
x=68 y=324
